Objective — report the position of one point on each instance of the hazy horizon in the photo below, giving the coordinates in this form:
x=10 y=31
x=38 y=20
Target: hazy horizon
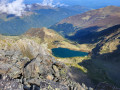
x=87 y=3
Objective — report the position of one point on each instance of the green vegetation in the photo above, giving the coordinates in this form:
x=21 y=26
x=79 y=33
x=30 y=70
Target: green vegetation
x=99 y=72
x=64 y=29
x=74 y=62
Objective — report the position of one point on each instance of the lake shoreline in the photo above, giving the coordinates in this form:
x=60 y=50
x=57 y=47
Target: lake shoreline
x=67 y=53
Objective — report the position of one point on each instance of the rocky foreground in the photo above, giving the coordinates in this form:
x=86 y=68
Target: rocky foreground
x=41 y=73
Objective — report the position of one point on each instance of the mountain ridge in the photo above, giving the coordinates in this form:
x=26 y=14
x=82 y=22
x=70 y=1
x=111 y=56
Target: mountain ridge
x=101 y=18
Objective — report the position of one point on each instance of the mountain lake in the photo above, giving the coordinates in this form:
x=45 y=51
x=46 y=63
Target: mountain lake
x=67 y=53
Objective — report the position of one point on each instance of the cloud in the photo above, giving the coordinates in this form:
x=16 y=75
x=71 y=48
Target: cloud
x=16 y=7
x=47 y=3
x=51 y=3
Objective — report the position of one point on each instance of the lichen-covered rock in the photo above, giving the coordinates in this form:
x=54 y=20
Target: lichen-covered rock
x=56 y=70
x=40 y=66
x=9 y=84
x=44 y=67
x=12 y=63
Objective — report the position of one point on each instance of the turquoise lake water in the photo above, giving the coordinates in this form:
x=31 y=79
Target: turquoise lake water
x=66 y=53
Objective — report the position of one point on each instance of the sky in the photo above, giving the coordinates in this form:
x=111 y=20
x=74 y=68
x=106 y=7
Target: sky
x=87 y=3
x=17 y=7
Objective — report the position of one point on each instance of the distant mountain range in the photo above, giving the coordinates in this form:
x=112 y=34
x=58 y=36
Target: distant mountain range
x=94 y=20
x=37 y=16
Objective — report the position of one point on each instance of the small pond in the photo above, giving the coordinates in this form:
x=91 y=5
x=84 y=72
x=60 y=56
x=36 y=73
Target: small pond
x=66 y=53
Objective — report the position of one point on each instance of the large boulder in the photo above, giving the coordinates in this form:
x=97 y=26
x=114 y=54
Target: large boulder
x=12 y=63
